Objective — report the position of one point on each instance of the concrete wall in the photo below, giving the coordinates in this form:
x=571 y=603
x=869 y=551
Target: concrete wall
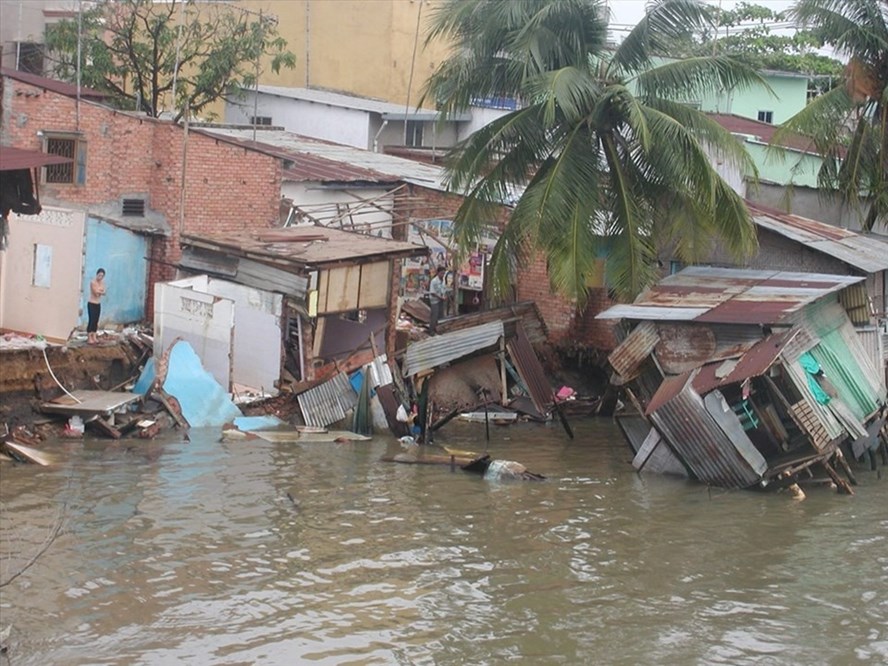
x=806 y=202
x=787 y=96
x=26 y=21
x=321 y=121
x=51 y=307
x=364 y=48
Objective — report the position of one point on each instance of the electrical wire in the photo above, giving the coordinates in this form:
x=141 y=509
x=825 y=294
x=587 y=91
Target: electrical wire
x=52 y=374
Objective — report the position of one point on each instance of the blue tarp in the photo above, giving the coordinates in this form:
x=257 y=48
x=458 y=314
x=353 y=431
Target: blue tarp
x=812 y=369
x=146 y=379
x=202 y=400
x=250 y=423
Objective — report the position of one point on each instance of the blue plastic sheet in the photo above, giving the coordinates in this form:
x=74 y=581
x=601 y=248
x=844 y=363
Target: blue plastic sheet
x=202 y=400
x=812 y=368
x=251 y=423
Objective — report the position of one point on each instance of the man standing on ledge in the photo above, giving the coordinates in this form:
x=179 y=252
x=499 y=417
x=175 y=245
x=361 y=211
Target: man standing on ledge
x=437 y=297
x=94 y=306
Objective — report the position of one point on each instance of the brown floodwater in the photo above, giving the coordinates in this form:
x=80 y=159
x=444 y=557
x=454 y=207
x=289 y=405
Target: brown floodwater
x=201 y=552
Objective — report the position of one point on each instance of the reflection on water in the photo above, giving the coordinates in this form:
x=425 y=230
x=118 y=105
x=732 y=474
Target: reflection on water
x=203 y=552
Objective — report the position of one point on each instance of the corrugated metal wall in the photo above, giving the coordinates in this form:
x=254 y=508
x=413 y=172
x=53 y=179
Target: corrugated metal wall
x=701 y=444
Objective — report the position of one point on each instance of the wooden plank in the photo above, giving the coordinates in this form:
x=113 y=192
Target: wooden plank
x=91 y=402
x=26 y=453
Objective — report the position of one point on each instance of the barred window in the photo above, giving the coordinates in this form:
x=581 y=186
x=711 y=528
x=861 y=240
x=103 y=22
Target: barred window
x=72 y=147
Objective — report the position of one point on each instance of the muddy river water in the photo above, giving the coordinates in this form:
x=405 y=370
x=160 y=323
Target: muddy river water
x=201 y=552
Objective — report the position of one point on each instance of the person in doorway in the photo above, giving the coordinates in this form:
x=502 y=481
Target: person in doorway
x=94 y=306
x=438 y=293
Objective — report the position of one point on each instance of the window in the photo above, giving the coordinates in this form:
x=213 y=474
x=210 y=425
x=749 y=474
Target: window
x=413 y=133
x=766 y=116
x=29 y=57
x=260 y=120
x=66 y=145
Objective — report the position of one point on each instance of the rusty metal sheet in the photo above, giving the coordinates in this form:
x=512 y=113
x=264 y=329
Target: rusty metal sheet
x=730 y=296
x=531 y=370
x=440 y=349
x=862 y=252
x=701 y=444
x=339 y=248
x=632 y=352
x=13 y=159
x=683 y=347
x=753 y=363
x=525 y=313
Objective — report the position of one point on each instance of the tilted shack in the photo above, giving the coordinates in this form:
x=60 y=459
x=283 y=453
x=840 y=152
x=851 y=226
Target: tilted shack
x=746 y=377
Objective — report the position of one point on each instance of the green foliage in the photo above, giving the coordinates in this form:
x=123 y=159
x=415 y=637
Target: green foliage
x=606 y=163
x=849 y=125
x=749 y=33
x=141 y=52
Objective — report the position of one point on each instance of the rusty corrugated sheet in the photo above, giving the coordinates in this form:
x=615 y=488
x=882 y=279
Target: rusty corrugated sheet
x=524 y=313
x=753 y=363
x=730 y=296
x=13 y=159
x=632 y=352
x=305 y=247
x=683 y=347
x=440 y=349
x=329 y=402
x=866 y=254
x=531 y=370
x=701 y=444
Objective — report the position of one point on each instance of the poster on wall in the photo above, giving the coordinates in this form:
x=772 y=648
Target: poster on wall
x=436 y=235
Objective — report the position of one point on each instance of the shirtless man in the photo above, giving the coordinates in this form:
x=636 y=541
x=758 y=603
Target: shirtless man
x=94 y=306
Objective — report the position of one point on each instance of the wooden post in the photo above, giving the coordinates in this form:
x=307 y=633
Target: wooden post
x=841 y=485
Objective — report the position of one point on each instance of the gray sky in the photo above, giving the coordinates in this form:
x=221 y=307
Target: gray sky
x=626 y=13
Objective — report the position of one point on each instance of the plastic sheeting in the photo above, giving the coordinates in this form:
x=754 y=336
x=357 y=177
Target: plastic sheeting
x=202 y=400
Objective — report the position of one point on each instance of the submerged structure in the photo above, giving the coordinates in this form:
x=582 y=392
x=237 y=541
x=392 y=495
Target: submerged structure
x=745 y=378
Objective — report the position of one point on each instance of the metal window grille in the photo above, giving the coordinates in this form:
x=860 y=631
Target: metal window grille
x=61 y=173
x=260 y=120
x=134 y=208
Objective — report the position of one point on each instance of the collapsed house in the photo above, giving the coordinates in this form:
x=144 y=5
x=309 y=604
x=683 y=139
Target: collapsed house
x=297 y=304
x=745 y=378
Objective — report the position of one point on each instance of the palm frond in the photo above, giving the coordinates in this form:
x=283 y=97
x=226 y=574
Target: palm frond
x=692 y=78
x=665 y=22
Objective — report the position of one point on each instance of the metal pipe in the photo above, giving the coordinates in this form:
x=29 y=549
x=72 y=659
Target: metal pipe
x=378 y=132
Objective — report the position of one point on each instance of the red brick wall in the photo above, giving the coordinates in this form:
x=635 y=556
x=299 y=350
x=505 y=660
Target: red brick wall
x=227 y=188
x=564 y=324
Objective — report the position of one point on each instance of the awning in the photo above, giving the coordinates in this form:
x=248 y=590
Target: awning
x=13 y=159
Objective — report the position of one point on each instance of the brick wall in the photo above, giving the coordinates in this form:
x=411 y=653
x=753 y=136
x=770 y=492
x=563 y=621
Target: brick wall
x=564 y=324
x=226 y=187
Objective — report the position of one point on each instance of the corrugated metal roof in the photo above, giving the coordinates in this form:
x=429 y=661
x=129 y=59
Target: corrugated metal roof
x=761 y=131
x=753 y=363
x=12 y=159
x=531 y=370
x=632 y=352
x=440 y=349
x=331 y=98
x=862 y=252
x=290 y=146
x=524 y=314
x=60 y=87
x=730 y=296
x=702 y=443
x=305 y=247
x=329 y=402
x=380 y=371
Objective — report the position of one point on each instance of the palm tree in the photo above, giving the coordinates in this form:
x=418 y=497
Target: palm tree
x=849 y=124
x=606 y=156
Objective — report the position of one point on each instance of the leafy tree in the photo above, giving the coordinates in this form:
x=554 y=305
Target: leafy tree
x=748 y=33
x=141 y=52
x=849 y=124
x=608 y=160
